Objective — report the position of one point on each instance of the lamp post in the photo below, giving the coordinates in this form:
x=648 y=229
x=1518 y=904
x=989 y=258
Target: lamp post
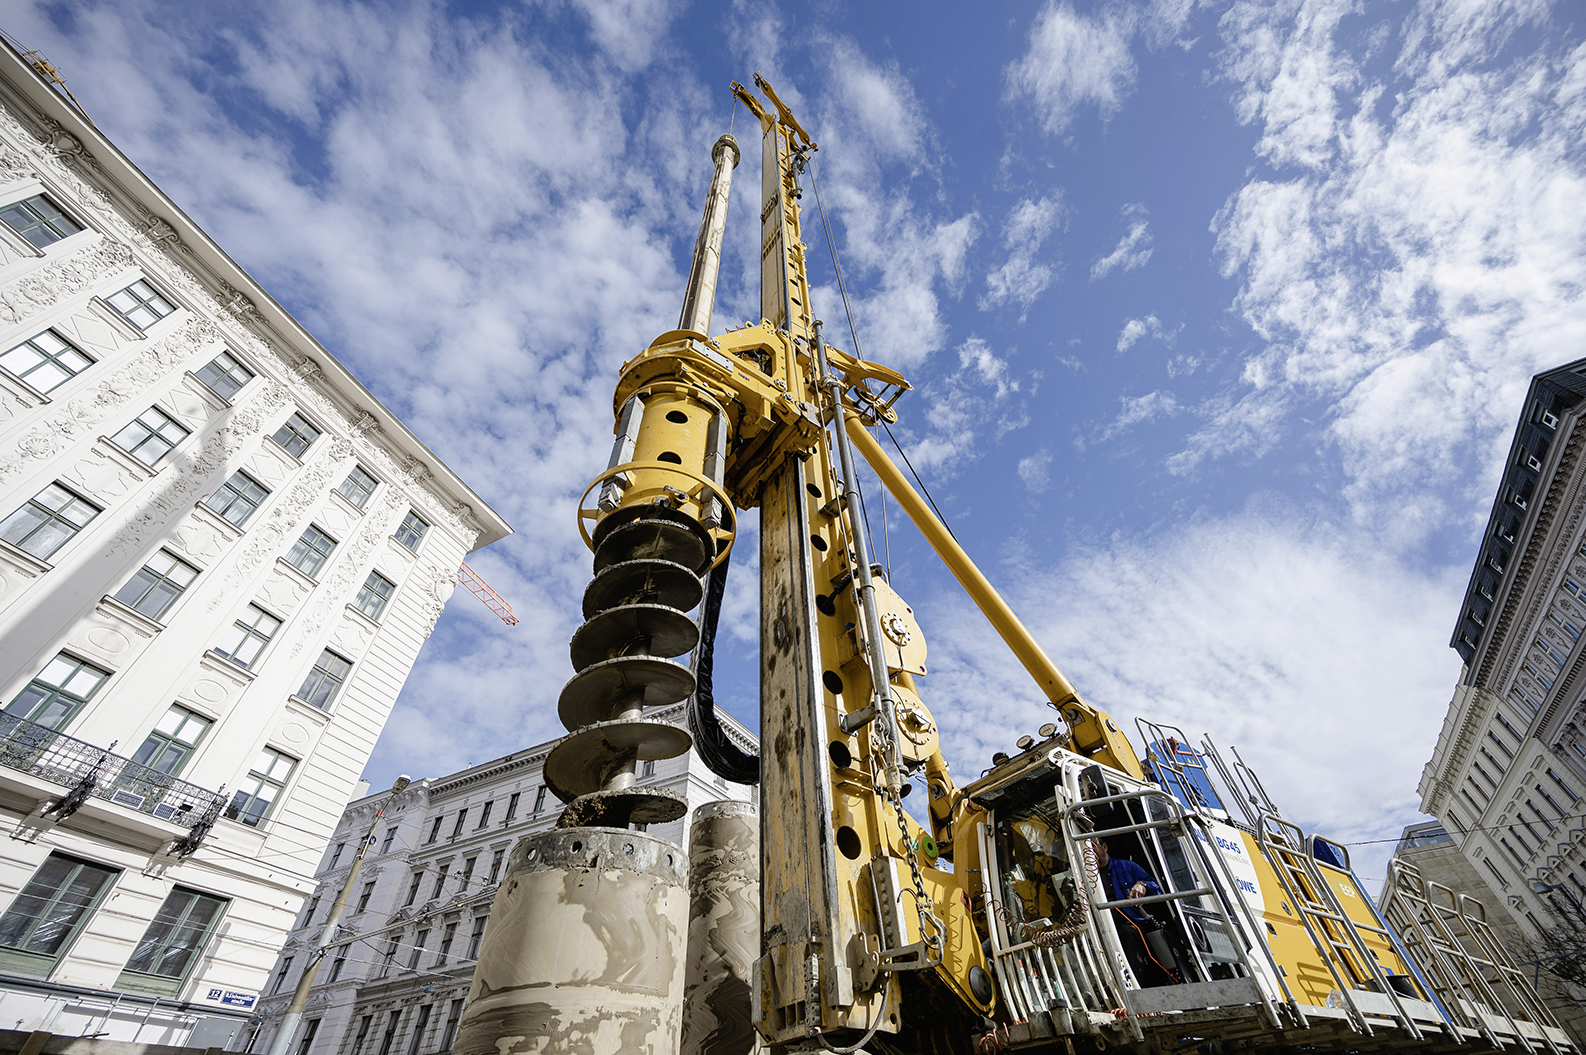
x=294 y=1011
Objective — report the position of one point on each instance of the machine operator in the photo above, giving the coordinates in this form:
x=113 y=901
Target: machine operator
x=1140 y=935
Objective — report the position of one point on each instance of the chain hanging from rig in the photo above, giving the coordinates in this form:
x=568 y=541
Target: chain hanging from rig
x=932 y=932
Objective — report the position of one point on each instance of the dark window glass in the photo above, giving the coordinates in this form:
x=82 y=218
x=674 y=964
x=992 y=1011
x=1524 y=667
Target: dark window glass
x=48 y=519
x=358 y=486
x=411 y=530
x=157 y=585
x=59 y=690
x=46 y=361
x=325 y=680
x=224 y=375
x=296 y=436
x=140 y=304
x=177 y=935
x=312 y=549
x=172 y=741
x=39 y=220
x=151 y=436
x=264 y=783
x=372 y=598
x=238 y=498
x=475 y=938
x=247 y=637
x=54 y=905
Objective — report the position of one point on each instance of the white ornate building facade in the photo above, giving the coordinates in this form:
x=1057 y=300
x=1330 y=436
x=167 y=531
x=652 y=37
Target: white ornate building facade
x=1508 y=774
x=219 y=558
x=419 y=908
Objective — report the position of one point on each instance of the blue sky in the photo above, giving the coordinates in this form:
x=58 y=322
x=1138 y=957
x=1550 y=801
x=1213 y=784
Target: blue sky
x=1219 y=313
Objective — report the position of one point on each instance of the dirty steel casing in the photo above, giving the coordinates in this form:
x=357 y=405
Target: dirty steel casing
x=723 y=930
x=599 y=917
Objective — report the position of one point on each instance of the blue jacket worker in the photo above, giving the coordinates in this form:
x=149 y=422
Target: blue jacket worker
x=1124 y=879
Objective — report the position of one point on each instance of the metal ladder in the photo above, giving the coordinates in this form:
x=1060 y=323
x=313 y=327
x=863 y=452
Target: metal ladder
x=1462 y=958
x=1337 y=938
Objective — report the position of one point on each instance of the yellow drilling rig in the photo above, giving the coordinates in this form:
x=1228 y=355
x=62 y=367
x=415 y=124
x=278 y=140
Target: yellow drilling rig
x=1000 y=922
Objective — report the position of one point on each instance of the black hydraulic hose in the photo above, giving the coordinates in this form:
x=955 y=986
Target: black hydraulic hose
x=723 y=757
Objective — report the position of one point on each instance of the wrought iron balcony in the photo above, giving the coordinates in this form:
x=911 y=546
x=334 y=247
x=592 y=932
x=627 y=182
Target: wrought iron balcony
x=85 y=770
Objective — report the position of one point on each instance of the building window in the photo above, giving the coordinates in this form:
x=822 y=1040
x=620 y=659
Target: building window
x=296 y=436
x=157 y=585
x=484 y=814
x=411 y=530
x=448 y=936
x=262 y=787
x=1563 y=786
x=325 y=680
x=454 y=1015
x=313 y=907
x=418 y=949
x=280 y=976
x=419 y=1027
x=238 y=498
x=1517 y=858
x=151 y=436
x=358 y=487
x=476 y=937
x=140 y=304
x=1500 y=745
x=310 y=1029
x=392 y=1023
x=173 y=741
x=440 y=881
x=1503 y=884
x=363 y=1033
x=363 y=899
x=337 y=855
x=1549 y=800
x=46 y=361
x=335 y=968
x=47 y=521
x=539 y=799
x=389 y=955
x=1494 y=762
x=312 y=549
x=462 y=816
x=1539 y=816
x=647 y=768
x=495 y=866
x=39 y=220
x=248 y=635
x=372 y=598
x=512 y=805
x=1565 y=625
x=435 y=831
x=390 y=837
x=224 y=375
x=174 y=941
x=58 y=692
x=467 y=875
x=413 y=888
x=1511 y=729
x=50 y=910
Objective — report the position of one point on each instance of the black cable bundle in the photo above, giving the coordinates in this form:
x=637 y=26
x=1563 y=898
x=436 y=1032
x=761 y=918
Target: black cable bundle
x=724 y=758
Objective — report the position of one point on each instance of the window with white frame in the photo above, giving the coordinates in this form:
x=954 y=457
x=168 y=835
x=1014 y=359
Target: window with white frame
x=374 y=595
x=40 y=923
x=151 y=436
x=47 y=521
x=58 y=692
x=238 y=498
x=325 y=680
x=45 y=361
x=157 y=585
x=411 y=531
x=141 y=304
x=174 y=941
x=172 y=741
x=247 y=637
x=312 y=549
x=476 y=937
x=224 y=375
x=296 y=436
x=358 y=487
x=263 y=785
x=39 y=220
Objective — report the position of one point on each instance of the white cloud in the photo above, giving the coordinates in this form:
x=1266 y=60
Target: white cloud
x=1414 y=256
x=1022 y=278
x=1138 y=410
x=1230 y=626
x=980 y=402
x=1136 y=329
x=1035 y=471
x=1074 y=61
x=1133 y=249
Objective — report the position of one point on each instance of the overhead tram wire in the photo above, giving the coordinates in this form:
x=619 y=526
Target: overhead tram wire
x=853 y=330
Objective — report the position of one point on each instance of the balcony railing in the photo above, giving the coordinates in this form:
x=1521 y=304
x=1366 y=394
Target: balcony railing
x=85 y=770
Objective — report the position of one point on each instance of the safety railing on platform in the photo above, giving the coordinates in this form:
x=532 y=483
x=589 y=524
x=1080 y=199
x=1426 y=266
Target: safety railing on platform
x=85 y=770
